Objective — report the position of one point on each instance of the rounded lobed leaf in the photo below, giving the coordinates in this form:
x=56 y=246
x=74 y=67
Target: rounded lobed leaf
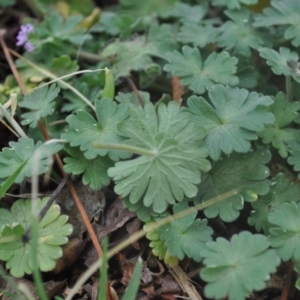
x=52 y=232
x=232 y=119
x=234 y=268
x=174 y=171
x=284 y=233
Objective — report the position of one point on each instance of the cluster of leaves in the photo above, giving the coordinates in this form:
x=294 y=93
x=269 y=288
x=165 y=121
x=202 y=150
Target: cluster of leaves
x=162 y=157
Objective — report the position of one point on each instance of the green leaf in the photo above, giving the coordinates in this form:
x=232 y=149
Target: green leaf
x=282 y=190
x=240 y=35
x=198 y=75
x=247 y=74
x=147 y=7
x=284 y=235
x=23 y=150
x=136 y=54
x=94 y=170
x=294 y=149
x=53 y=231
x=187 y=235
x=189 y=13
x=234 y=269
x=197 y=35
x=85 y=130
x=232 y=119
x=63 y=65
x=40 y=102
x=282 y=13
x=173 y=173
x=279 y=61
x=285 y=112
x=233 y=4
x=131 y=98
x=4 y=3
x=56 y=27
x=246 y=171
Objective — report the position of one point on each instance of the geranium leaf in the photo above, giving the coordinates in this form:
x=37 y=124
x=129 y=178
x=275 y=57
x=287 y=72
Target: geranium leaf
x=240 y=35
x=279 y=61
x=53 y=231
x=94 y=170
x=232 y=119
x=294 y=149
x=284 y=236
x=174 y=171
x=233 y=269
x=282 y=13
x=19 y=152
x=285 y=112
x=84 y=129
x=233 y=4
x=197 y=35
x=40 y=102
x=137 y=54
x=199 y=75
x=187 y=235
x=282 y=190
x=246 y=171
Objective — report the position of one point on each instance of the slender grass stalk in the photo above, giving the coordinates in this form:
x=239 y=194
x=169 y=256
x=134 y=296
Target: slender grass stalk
x=133 y=238
x=103 y=272
x=124 y=147
x=35 y=266
x=133 y=286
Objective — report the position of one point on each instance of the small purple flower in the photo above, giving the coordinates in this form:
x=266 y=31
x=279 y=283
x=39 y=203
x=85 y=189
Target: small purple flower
x=22 y=37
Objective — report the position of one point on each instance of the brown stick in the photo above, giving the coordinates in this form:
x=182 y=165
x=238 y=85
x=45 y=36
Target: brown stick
x=288 y=282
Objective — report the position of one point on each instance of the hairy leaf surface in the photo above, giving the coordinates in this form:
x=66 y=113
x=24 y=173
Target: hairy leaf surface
x=174 y=171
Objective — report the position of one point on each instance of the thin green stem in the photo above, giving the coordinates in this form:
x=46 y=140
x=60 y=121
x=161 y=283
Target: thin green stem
x=124 y=147
x=288 y=87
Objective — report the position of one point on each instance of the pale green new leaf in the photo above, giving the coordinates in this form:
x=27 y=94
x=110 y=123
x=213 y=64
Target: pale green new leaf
x=19 y=152
x=137 y=54
x=52 y=229
x=40 y=102
x=174 y=171
x=233 y=4
x=234 y=269
x=84 y=129
x=278 y=61
x=240 y=35
x=284 y=235
x=245 y=171
x=278 y=134
x=282 y=190
x=94 y=170
x=187 y=235
x=198 y=75
x=282 y=13
x=232 y=118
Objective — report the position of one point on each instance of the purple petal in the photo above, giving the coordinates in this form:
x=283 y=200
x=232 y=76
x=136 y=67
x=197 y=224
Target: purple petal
x=29 y=47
